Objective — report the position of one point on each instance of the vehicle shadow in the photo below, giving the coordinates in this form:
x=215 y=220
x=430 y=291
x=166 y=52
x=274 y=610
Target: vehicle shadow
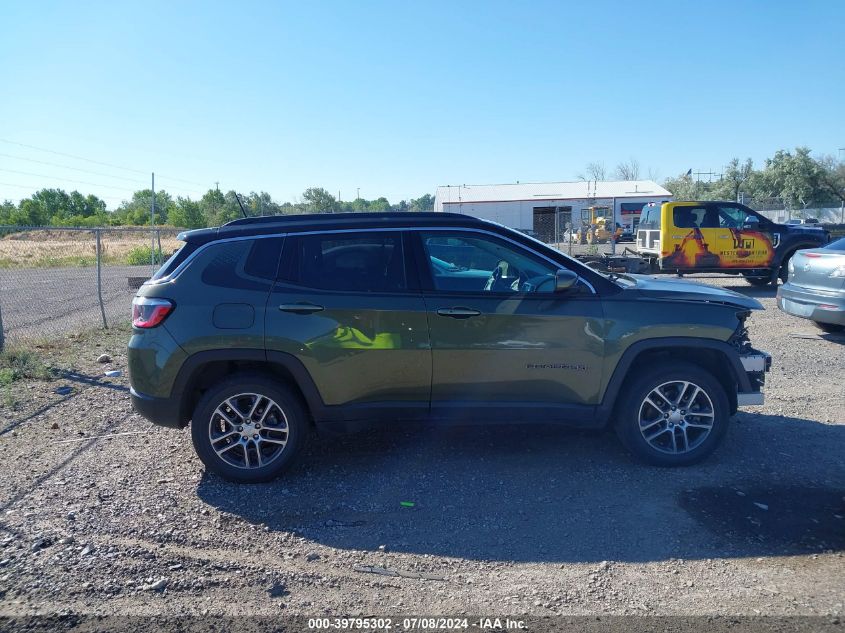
x=753 y=291
x=775 y=487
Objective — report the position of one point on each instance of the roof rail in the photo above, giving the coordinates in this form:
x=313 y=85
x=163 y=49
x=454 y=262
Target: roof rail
x=334 y=217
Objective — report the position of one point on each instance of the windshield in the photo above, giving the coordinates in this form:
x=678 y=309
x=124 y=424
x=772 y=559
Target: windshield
x=650 y=217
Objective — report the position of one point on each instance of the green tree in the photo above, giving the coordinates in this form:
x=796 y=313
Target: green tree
x=794 y=177
x=137 y=210
x=319 y=200
x=736 y=175
x=423 y=203
x=832 y=178
x=188 y=214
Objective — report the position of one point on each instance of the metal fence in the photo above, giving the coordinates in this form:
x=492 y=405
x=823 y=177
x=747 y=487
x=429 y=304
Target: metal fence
x=56 y=281
x=559 y=228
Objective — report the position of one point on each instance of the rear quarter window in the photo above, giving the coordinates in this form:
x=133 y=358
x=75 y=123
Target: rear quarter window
x=240 y=264
x=178 y=256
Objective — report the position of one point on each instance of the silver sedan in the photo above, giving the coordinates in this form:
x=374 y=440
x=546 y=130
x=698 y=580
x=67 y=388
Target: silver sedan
x=815 y=289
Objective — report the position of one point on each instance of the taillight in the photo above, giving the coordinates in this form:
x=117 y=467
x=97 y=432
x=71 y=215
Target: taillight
x=147 y=312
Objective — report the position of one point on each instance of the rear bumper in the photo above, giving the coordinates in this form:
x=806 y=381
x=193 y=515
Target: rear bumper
x=161 y=411
x=815 y=305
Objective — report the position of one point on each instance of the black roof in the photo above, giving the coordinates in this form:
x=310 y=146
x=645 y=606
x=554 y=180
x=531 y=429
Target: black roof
x=294 y=223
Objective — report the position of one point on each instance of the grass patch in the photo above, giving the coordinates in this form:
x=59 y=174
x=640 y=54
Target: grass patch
x=22 y=364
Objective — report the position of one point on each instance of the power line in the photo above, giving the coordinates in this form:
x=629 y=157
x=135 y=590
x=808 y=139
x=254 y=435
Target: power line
x=74 y=156
x=81 y=182
x=87 y=171
x=96 y=162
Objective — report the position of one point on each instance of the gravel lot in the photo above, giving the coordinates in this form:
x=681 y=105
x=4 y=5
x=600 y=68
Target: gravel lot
x=505 y=520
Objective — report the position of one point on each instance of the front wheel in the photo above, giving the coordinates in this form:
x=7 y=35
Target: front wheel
x=672 y=415
x=249 y=428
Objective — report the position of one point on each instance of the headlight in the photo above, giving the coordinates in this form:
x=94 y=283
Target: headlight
x=838 y=272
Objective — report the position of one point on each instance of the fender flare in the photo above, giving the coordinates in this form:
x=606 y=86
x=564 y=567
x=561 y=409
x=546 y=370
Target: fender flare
x=188 y=374
x=620 y=372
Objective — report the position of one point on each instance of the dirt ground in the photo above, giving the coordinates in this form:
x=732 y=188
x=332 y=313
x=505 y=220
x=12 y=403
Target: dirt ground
x=100 y=512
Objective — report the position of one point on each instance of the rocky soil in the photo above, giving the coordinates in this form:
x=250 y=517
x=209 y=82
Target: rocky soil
x=100 y=512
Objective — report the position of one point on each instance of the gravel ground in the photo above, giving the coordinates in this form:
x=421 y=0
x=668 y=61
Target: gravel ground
x=102 y=513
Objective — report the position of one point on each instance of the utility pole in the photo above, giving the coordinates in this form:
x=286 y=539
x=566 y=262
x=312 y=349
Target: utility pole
x=153 y=222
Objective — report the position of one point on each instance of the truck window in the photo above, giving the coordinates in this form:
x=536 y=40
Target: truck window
x=731 y=217
x=650 y=217
x=688 y=217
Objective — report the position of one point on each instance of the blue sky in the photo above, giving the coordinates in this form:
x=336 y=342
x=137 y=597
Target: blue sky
x=398 y=97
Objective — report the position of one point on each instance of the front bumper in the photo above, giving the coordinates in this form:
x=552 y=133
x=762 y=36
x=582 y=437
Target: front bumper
x=755 y=364
x=817 y=305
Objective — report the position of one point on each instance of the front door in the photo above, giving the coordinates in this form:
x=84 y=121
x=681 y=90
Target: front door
x=503 y=341
x=738 y=245
x=346 y=308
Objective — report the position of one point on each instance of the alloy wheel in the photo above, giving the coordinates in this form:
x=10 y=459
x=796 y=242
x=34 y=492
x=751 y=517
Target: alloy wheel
x=248 y=430
x=676 y=417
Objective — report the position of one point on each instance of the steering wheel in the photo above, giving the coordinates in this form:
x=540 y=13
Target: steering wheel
x=504 y=278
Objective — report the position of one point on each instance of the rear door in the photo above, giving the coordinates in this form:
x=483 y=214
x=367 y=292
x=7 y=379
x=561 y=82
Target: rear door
x=348 y=309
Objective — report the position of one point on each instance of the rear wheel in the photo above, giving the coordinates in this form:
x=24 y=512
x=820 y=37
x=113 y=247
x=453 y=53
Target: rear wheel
x=829 y=327
x=672 y=415
x=249 y=428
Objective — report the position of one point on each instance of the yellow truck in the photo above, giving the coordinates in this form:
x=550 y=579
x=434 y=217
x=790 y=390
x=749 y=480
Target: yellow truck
x=720 y=236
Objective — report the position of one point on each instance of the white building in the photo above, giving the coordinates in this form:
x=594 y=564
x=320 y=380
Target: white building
x=544 y=207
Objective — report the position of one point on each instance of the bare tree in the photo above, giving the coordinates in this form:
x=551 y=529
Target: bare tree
x=653 y=174
x=594 y=171
x=629 y=170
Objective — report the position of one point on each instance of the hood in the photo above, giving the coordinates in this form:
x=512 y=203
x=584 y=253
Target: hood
x=677 y=290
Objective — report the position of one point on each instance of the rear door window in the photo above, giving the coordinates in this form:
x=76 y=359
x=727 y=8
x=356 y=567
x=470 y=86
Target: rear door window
x=348 y=262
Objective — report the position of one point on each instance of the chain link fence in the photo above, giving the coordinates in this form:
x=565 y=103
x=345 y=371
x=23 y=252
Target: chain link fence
x=561 y=228
x=56 y=281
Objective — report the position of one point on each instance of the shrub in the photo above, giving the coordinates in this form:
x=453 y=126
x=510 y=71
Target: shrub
x=141 y=255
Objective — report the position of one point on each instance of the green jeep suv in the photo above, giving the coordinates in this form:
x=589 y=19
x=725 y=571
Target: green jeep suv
x=258 y=331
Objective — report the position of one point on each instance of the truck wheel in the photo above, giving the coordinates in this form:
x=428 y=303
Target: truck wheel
x=672 y=415
x=249 y=428
x=758 y=281
x=783 y=273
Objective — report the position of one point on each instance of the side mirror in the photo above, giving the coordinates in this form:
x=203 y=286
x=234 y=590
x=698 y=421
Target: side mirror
x=564 y=280
x=751 y=222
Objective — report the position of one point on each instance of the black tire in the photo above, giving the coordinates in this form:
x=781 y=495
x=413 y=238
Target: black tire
x=832 y=328
x=288 y=415
x=758 y=281
x=783 y=273
x=700 y=444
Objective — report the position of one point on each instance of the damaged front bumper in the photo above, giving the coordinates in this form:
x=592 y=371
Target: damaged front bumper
x=755 y=364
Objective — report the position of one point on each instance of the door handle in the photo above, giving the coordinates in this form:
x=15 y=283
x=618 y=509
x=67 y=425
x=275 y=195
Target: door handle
x=300 y=308
x=458 y=313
